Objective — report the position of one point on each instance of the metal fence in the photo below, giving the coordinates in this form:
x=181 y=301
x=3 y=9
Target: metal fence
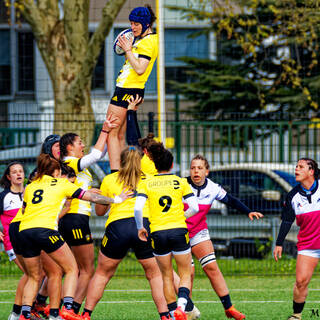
x=254 y=160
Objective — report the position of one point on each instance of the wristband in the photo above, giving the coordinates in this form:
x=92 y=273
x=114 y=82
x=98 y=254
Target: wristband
x=117 y=199
x=105 y=131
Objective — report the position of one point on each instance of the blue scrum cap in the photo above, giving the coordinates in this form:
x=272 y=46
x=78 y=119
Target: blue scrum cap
x=49 y=142
x=141 y=15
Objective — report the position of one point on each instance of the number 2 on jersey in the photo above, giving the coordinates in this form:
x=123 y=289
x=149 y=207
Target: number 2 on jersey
x=165 y=202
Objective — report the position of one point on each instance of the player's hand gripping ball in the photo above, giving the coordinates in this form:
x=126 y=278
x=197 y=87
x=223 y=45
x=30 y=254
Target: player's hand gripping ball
x=116 y=48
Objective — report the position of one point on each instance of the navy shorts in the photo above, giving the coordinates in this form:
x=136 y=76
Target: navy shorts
x=17 y=244
x=170 y=240
x=36 y=239
x=122 y=235
x=75 y=229
x=122 y=95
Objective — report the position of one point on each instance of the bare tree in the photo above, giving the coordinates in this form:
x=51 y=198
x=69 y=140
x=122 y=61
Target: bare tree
x=61 y=31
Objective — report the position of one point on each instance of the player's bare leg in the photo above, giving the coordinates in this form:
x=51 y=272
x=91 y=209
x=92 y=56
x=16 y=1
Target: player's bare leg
x=115 y=140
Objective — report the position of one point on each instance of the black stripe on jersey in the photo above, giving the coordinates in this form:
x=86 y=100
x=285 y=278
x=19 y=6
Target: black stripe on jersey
x=144 y=57
x=142 y=195
x=77 y=193
x=79 y=166
x=188 y=196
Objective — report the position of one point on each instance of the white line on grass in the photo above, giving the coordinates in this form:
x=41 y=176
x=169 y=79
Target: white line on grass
x=197 y=301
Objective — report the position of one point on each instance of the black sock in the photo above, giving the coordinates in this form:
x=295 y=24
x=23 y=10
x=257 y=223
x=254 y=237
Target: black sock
x=88 y=311
x=226 y=301
x=172 y=306
x=166 y=314
x=76 y=307
x=16 y=309
x=114 y=170
x=67 y=302
x=26 y=311
x=61 y=304
x=41 y=299
x=298 y=306
x=54 y=312
x=190 y=305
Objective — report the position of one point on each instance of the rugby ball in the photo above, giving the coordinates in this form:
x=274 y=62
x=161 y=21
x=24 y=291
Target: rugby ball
x=116 y=48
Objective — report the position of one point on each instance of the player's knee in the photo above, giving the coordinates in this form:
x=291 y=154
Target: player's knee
x=301 y=283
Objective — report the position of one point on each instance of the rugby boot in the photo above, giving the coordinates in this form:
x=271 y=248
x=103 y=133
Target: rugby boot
x=193 y=314
x=232 y=312
x=13 y=316
x=69 y=314
x=179 y=314
x=85 y=316
x=295 y=316
x=40 y=308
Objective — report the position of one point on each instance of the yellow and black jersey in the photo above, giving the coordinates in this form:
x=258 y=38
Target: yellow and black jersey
x=147 y=166
x=110 y=186
x=165 y=193
x=147 y=48
x=83 y=181
x=43 y=201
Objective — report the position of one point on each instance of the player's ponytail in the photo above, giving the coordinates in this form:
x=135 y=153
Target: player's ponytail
x=161 y=157
x=46 y=166
x=130 y=167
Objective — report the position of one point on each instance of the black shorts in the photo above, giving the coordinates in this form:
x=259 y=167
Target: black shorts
x=17 y=244
x=75 y=229
x=121 y=235
x=171 y=240
x=122 y=95
x=36 y=239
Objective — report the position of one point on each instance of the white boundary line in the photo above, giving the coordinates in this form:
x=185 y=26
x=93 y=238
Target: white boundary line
x=213 y=302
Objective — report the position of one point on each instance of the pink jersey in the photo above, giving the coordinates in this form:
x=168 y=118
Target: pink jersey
x=306 y=209
x=205 y=194
x=10 y=203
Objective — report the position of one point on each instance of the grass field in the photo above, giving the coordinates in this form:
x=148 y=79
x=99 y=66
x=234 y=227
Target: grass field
x=129 y=298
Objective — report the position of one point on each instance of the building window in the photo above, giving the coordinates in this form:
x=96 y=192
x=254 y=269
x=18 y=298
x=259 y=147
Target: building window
x=180 y=43
x=25 y=62
x=5 y=67
x=98 y=79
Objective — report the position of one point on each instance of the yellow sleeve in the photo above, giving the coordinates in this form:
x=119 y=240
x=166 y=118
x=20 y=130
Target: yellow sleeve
x=70 y=188
x=105 y=187
x=25 y=196
x=142 y=188
x=147 y=47
x=74 y=164
x=186 y=188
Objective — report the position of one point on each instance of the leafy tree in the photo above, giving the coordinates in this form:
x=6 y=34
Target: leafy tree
x=61 y=31
x=267 y=61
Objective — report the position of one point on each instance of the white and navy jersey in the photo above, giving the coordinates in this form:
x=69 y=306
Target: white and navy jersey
x=304 y=206
x=205 y=194
x=10 y=203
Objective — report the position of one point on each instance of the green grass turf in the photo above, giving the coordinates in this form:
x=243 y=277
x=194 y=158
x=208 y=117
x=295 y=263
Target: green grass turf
x=129 y=298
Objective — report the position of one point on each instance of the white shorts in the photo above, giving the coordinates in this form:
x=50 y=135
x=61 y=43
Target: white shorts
x=311 y=253
x=201 y=236
x=11 y=254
